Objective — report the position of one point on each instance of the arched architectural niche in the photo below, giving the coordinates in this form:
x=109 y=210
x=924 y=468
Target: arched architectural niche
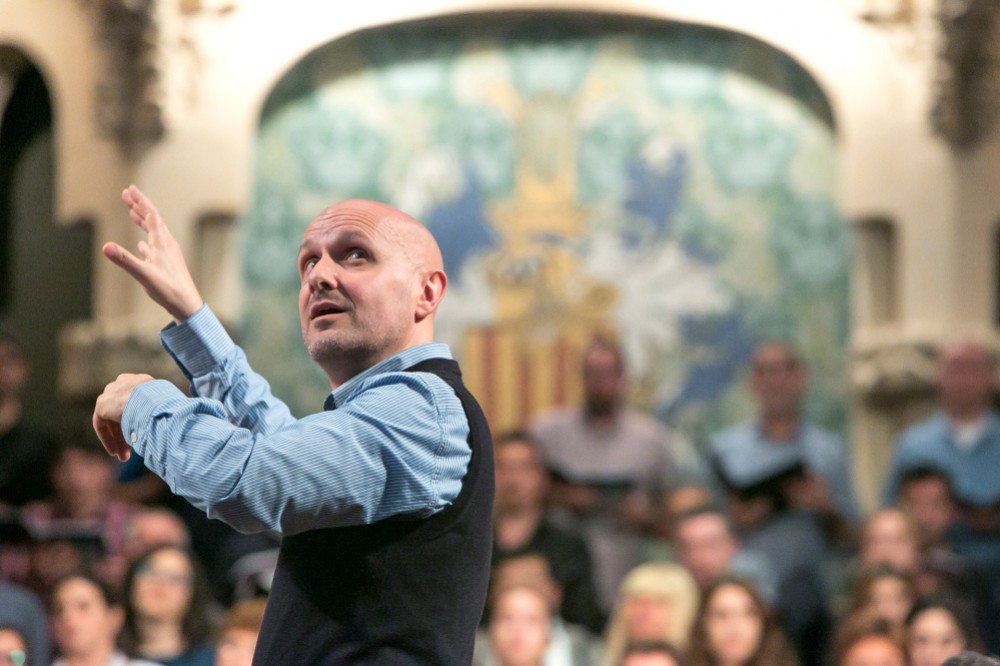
x=34 y=306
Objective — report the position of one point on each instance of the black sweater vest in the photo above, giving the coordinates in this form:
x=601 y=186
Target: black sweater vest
x=399 y=591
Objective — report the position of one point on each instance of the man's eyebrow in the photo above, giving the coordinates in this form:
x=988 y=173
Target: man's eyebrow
x=339 y=237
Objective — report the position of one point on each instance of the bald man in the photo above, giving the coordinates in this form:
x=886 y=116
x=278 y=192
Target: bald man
x=383 y=499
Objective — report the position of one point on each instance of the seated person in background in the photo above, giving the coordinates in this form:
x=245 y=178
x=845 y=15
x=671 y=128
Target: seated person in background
x=925 y=494
x=652 y=653
x=20 y=608
x=657 y=602
x=568 y=644
x=14 y=648
x=82 y=510
x=734 y=627
x=707 y=546
x=886 y=592
x=520 y=527
x=867 y=640
x=938 y=628
x=779 y=454
x=24 y=453
x=85 y=624
x=148 y=528
x=682 y=498
x=610 y=466
x=519 y=626
x=962 y=440
x=238 y=636
x=167 y=610
x=889 y=536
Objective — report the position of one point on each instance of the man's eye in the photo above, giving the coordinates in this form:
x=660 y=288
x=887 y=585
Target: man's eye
x=356 y=254
x=308 y=264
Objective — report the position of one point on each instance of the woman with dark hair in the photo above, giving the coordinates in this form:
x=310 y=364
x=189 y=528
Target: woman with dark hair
x=939 y=628
x=735 y=628
x=86 y=621
x=167 y=617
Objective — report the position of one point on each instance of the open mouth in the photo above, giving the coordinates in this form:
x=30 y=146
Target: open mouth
x=324 y=309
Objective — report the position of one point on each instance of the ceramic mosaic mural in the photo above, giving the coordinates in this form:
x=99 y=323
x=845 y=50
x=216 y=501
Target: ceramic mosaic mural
x=672 y=186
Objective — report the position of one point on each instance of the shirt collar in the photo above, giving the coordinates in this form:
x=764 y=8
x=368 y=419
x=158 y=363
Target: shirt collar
x=396 y=363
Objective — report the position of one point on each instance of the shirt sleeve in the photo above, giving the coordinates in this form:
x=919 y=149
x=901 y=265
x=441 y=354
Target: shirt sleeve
x=219 y=370
x=397 y=447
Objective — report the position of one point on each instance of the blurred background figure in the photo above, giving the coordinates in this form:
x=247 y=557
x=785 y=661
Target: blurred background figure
x=938 y=628
x=13 y=648
x=86 y=621
x=167 y=610
x=707 y=546
x=22 y=609
x=925 y=494
x=81 y=514
x=568 y=644
x=238 y=634
x=796 y=464
x=652 y=653
x=972 y=659
x=610 y=464
x=24 y=453
x=889 y=536
x=868 y=640
x=657 y=602
x=734 y=627
x=519 y=626
x=151 y=527
x=520 y=527
x=885 y=592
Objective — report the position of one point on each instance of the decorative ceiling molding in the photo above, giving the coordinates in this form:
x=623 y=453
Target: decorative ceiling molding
x=967 y=85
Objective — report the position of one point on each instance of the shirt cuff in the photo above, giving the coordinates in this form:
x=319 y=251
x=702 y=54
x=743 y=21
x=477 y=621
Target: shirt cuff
x=199 y=344
x=142 y=407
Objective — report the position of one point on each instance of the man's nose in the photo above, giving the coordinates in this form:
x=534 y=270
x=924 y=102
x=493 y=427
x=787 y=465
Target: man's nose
x=323 y=276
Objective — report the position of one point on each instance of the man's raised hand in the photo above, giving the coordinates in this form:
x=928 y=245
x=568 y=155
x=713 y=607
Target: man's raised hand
x=161 y=271
x=108 y=414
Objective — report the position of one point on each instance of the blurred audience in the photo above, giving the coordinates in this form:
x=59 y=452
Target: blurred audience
x=610 y=467
x=864 y=639
x=938 y=628
x=80 y=516
x=22 y=609
x=734 y=627
x=24 y=453
x=889 y=536
x=658 y=602
x=925 y=494
x=972 y=659
x=14 y=648
x=568 y=644
x=886 y=592
x=167 y=609
x=519 y=626
x=707 y=546
x=238 y=634
x=86 y=621
x=780 y=460
x=520 y=526
x=148 y=528
x=652 y=653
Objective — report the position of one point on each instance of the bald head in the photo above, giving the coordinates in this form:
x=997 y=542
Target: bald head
x=372 y=279
x=966 y=378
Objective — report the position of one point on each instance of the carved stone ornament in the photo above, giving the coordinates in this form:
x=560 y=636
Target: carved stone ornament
x=128 y=109
x=894 y=370
x=967 y=100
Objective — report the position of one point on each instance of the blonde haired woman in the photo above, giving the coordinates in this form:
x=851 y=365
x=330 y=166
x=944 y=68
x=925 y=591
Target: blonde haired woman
x=656 y=601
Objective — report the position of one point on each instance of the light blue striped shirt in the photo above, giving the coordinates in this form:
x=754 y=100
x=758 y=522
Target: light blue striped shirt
x=388 y=442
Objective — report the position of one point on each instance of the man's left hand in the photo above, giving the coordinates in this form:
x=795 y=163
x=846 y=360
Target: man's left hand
x=108 y=414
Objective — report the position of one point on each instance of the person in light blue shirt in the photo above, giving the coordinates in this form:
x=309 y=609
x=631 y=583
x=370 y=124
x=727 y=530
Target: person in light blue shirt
x=807 y=465
x=963 y=438
x=397 y=449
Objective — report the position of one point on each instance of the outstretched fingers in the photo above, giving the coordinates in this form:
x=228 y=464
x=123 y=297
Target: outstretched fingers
x=141 y=208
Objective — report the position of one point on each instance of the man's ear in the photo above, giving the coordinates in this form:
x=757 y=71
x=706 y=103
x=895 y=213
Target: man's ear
x=431 y=293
